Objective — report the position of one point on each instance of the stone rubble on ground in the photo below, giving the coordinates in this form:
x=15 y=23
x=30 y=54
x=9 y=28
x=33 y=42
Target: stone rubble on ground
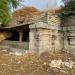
x=49 y=63
x=59 y=63
x=56 y=63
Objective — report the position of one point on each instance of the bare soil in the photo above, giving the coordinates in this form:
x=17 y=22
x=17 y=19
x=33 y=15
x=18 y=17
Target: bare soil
x=11 y=64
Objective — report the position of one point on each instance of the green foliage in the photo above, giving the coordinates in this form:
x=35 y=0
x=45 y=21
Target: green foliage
x=69 y=9
x=5 y=8
x=70 y=6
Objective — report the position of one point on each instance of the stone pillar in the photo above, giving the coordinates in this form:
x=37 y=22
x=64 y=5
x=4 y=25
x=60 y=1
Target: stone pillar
x=32 y=39
x=66 y=43
x=44 y=40
x=59 y=41
x=20 y=36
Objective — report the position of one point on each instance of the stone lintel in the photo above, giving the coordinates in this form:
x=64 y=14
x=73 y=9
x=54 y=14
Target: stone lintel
x=45 y=26
x=39 y=25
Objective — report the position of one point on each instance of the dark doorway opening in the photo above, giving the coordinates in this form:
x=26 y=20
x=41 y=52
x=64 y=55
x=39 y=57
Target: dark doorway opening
x=20 y=34
x=14 y=35
x=25 y=35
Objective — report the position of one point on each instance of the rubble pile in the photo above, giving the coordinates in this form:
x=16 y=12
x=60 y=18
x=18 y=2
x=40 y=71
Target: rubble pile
x=48 y=63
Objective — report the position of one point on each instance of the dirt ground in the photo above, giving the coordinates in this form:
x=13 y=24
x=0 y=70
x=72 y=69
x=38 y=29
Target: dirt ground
x=48 y=63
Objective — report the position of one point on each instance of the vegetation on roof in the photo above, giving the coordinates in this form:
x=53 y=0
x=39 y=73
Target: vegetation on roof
x=25 y=15
x=25 y=11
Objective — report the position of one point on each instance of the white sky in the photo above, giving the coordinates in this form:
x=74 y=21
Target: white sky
x=44 y=4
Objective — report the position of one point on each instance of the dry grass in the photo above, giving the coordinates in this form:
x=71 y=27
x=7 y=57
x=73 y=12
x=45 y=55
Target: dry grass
x=26 y=12
x=11 y=64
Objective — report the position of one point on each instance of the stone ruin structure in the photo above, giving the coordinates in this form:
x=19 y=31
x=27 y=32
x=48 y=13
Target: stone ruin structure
x=36 y=31
x=46 y=35
x=68 y=27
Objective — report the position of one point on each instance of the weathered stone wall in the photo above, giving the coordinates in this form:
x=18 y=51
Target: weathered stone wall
x=34 y=40
x=44 y=37
x=44 y=40
x=53 y=19
x=59 y=40
x=54 y=22
x=50 y=40
x=69 y=38
x=69 y=33
x=39 y=40
x=39 y=37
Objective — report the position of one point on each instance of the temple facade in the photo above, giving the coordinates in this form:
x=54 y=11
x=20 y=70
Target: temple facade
x=37 y=31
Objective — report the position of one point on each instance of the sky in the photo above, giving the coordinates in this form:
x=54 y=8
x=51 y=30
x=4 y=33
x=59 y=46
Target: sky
x=44 y=4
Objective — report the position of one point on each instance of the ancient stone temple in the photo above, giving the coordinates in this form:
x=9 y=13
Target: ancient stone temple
x=34 y=30
x=46 y=35
x=68 y=27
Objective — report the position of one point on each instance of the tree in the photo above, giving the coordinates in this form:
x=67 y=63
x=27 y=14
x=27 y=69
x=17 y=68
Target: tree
x=70 y=6
x=5 y=8
x=69 y=9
